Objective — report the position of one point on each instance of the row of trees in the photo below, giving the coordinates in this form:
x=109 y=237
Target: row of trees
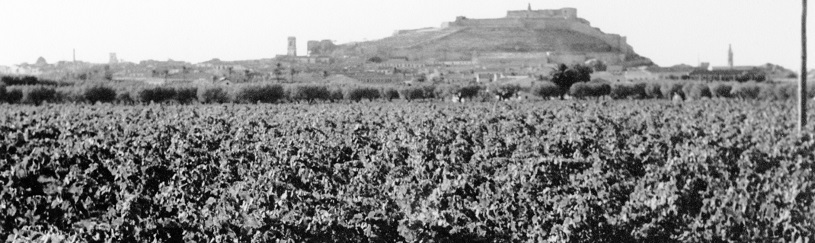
x=670 y=90
x=258 y=93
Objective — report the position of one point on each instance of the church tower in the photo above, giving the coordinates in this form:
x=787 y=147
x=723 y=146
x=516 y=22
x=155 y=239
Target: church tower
x=292 y=46
x=730 y=56
x=529 y=6
x=113 y=59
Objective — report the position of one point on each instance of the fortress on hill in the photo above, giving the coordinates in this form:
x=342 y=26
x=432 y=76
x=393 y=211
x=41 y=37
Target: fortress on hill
x=552 y=19
x=553 y=35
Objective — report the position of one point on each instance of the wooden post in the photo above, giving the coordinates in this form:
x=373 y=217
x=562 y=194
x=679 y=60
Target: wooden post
x=802 y=82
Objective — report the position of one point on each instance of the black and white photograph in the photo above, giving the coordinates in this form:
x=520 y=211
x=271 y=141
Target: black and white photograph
x=406 y=121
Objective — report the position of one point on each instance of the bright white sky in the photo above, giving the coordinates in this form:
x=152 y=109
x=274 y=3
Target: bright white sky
x=667 y=31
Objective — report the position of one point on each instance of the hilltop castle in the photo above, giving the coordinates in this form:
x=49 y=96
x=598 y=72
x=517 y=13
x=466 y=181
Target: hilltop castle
x=546 y=19
x=548 y=35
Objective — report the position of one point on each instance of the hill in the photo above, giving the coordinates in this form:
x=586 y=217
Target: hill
x=559 y=32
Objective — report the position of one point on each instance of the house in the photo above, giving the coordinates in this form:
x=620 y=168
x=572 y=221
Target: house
x=487 y=76
x=718 y=75
x=674 y=72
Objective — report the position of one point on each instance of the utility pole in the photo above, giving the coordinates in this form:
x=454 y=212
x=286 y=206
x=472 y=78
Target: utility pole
x=802 y=82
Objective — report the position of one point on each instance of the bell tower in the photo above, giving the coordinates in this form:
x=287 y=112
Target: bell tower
x=292 y=46
x=730 y=56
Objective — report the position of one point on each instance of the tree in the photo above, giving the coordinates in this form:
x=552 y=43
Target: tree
x=277 y=72
x=565 y=76
x=599 y=66
x=375 y=59
x=421 y=78
x=108 y=73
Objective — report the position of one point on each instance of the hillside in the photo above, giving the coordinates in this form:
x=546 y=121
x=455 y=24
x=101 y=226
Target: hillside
x=531 y=31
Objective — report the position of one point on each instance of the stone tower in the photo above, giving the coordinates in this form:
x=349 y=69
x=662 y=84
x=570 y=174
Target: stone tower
x=730 y=56
x=292 y=46
x=113 y=59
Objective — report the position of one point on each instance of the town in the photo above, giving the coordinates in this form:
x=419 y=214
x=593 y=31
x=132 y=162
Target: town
x=523 y=46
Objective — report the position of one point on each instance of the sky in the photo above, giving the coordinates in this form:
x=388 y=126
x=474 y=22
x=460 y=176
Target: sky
x=669 y=32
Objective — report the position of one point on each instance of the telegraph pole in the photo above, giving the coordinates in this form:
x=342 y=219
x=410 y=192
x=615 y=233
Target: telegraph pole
x=802 y=82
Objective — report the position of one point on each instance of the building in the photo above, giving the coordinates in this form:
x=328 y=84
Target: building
x=487 y=76
x=730 y=56
x=292 y=47
x=674 y=72
x=113 y=60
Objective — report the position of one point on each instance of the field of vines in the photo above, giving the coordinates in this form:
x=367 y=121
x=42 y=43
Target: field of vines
x=559 y=171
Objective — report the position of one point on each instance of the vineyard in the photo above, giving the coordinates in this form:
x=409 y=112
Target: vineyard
x=719 y=170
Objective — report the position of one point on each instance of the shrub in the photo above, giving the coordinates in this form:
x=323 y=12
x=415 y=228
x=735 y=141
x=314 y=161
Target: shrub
x=698 y=91
x=125 y=98
x=444 y=91
x=652 y=90
x=720 y=90
x=546 y=90
x=411 y=93
x=669 y=89
x=309 y=93
x=359 y=93
x=600 y=89
x=389 y=93
x=186 y=95
x=749 y=90
x=99 y=94
x=2 y=93
x=624 y=91
x=336 y=94
x=14 y=96
x=620 y=91
x=214 y=94
x=26 y=80
x=469 y=92
x=505 y=91
x=767 y=92
x=71 y=94
x=579 y=90
x=686 y=88
x=784 y=91
x=39 y=94
x=157 y=94
x=261 y=94
x=430 y=92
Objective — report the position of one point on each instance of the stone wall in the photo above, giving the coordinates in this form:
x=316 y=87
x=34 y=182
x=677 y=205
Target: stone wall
x=564 y=13
x=487 y=23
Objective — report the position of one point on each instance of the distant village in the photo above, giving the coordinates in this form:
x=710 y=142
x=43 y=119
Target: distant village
x=445 y=54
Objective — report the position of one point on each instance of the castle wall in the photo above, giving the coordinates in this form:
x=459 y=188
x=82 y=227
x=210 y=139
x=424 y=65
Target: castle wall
x=488 y=23
x=564 y=13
